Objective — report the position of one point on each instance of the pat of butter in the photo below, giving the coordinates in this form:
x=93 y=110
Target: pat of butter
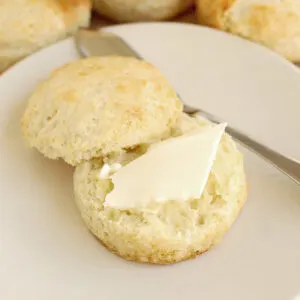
x=175 y=169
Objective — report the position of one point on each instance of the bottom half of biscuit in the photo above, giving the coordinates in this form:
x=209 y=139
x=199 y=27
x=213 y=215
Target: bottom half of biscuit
x=169 y=231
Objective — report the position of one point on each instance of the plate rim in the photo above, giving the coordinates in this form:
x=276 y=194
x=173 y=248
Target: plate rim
x=26 y=61
x=276 y=57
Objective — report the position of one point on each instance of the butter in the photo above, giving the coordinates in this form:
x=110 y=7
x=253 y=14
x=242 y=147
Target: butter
x=175 y=169
x=108 y=170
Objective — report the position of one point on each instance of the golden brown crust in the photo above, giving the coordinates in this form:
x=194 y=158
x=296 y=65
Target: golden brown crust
x=210 y=12
x=151 y=259
x=67 y=4
x=72 y=9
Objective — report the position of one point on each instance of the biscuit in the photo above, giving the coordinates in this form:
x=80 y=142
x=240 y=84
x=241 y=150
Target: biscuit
x=28 y=25
x=170 y=231
x=141 y=10
x=272 y=23
x=99 y=105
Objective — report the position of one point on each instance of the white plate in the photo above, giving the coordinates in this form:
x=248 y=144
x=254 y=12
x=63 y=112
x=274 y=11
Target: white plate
x=47 y=252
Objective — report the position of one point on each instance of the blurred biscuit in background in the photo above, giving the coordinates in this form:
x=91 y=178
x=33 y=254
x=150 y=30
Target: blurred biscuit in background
x=273 y=23
x=28 y=25
x=141 y=10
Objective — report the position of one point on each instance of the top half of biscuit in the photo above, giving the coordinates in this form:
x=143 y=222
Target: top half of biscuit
x=99 y=105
